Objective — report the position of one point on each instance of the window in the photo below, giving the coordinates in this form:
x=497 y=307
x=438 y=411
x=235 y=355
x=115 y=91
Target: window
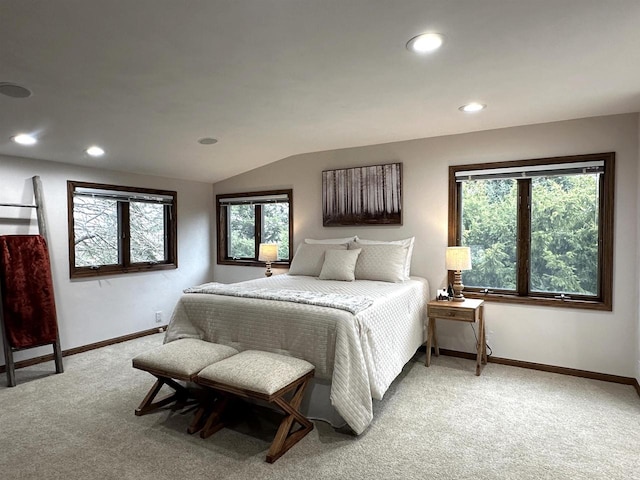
x=247 y=219
x=540 y=231
x=120 y=229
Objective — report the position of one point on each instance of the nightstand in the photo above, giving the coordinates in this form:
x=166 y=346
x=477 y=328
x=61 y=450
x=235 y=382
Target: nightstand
x=467 y=311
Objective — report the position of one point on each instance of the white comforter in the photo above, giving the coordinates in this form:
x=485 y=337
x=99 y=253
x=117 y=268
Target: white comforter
x=361 y=353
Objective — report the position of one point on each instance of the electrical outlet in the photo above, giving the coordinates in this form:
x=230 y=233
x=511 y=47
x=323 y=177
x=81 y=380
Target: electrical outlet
x=158 y=317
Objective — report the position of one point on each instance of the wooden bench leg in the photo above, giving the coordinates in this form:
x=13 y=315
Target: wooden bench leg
x=148 y=405
x=215 y=421
x=207 y=402
x=199 y=420
x=285 y=439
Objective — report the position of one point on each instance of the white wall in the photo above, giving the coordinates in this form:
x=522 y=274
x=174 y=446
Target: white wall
x=638 y=276
x=596 y=341
x=100 y=308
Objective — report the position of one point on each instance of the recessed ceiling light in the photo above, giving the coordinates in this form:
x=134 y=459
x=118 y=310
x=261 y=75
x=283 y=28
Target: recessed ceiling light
x=472 y=107
x=14 y=91
x=207 y=141
x=95 y=151
x=25 y=139
x=425 y=43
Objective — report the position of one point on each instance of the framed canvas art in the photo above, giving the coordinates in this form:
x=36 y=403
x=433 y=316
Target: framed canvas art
x=362 y=196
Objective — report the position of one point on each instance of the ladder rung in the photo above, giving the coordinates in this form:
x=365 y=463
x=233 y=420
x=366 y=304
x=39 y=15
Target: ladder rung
x=21 y=205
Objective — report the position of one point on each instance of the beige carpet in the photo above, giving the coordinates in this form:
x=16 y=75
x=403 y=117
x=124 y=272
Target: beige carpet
x=442 y=422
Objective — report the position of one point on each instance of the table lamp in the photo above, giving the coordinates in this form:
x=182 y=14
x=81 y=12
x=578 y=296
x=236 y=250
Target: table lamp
x=458 y=259
x=268 y=253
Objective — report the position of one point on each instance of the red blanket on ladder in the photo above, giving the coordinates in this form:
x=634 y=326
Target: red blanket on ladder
x=28 y=303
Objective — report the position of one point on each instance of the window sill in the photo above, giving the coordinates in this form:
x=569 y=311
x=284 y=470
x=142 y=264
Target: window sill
x=540 y=301
x=253 y=263
x=84 y=272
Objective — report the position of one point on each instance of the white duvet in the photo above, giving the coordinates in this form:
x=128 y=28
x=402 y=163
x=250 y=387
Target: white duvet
x=361 y=354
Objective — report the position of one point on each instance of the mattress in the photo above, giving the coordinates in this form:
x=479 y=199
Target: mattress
x=361 y=354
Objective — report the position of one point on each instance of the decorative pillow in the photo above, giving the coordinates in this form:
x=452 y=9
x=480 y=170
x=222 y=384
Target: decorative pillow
x=339 y=265
x=384 y=262
x=405 y=243
x=309 y=258
x=331 y=241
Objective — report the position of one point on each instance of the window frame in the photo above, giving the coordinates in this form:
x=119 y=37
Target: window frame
x=222 y=230
x=522 y=295
x=124 y=253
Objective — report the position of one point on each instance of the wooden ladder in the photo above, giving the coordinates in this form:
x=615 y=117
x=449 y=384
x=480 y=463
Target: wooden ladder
x=42 y=230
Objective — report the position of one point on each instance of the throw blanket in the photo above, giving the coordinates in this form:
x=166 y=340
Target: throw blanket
x=349 y=303
x=28 y=303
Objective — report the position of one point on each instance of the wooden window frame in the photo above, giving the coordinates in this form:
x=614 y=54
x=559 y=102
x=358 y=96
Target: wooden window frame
x=124 y=263
x=221 y=230
x=522 y=295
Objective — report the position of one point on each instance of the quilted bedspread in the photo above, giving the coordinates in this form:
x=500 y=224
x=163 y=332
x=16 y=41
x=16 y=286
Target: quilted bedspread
x=361 y=354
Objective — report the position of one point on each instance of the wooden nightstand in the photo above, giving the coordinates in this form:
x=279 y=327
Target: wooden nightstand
x=467 y=311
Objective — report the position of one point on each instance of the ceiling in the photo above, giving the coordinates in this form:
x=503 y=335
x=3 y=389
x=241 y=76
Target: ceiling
x=269 y=79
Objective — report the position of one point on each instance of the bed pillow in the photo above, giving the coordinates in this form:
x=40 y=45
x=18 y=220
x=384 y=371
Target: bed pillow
x=384 y=262
x=309 y=258
x=408 y=242
x=330 y=241
x=340 y=265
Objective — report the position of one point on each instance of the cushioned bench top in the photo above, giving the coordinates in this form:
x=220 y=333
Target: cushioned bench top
x=261 y=372
x=182 y=358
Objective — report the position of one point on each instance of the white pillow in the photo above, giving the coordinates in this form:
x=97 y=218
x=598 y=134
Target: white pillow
x=330 y=241
x=308 y=259
x=384 y=262
x=339 y=265
x=408 y=242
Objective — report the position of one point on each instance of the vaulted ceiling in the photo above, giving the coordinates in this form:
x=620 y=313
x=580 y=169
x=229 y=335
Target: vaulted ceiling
x=146 y=79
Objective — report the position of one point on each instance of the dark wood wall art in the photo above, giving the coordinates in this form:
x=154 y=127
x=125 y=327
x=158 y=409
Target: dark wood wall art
x=362 y=196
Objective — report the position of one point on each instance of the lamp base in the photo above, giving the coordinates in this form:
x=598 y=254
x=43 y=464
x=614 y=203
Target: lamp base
x=458 y=286
x=268 y=271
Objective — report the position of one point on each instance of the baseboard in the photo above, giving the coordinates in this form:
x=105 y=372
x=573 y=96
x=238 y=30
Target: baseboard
x=548 y=368
x=85 y=348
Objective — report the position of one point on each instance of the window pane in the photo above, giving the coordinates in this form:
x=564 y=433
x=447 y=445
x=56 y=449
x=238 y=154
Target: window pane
x=241 y=234
x=147 y=233
x=489 y=218
x=564 y=234
x=275 y=227
x=95 y=224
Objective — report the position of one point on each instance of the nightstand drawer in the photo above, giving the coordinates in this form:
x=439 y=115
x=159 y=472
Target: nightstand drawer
x=462 y=314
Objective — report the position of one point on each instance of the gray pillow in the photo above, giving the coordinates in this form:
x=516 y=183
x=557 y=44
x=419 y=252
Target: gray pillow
x=309 y=258
x=384 y=262
x=339 y=265
x=405 y=243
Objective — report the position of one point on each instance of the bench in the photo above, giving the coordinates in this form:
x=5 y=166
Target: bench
x=178 y=360
x=262 y=376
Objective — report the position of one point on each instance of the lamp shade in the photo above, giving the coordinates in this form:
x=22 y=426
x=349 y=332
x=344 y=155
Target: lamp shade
x=458 y=258
x=268 y=252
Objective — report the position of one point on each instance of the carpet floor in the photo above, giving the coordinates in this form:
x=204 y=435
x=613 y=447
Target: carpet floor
x=441 y=422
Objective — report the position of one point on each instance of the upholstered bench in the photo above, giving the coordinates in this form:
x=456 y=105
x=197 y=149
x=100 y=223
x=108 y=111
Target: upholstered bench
x=180 y=360
x=262 y=376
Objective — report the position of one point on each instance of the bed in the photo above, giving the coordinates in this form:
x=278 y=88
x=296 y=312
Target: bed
x=359 y=349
